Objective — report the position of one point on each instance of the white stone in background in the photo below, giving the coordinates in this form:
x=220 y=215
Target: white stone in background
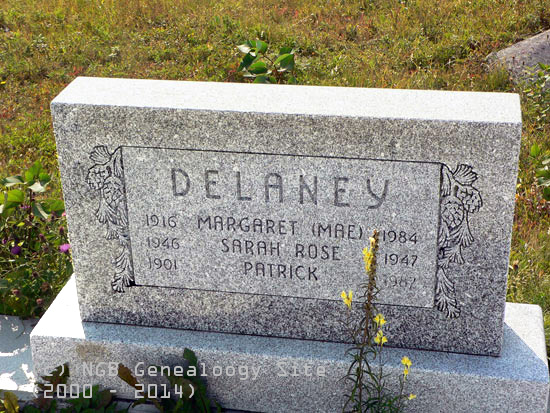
x=16 y=370
x=522 y=58
x=517 y=381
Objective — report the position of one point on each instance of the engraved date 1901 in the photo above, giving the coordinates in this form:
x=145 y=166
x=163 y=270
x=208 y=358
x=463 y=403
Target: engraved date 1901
x=162 y=263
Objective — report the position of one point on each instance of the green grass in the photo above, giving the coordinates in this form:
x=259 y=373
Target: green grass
x=426 y=44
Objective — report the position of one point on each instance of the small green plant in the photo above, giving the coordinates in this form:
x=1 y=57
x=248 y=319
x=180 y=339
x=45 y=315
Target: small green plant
x=34 y=251
x=189 y=389
x=538 y=94
x=260 y=67
x=366 y=376
x=543 y=170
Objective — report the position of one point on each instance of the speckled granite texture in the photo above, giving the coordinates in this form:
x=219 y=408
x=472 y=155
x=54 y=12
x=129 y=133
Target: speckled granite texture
x=517 y=381
x=158 y=176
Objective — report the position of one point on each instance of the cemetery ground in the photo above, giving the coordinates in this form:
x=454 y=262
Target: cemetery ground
x=385 y=44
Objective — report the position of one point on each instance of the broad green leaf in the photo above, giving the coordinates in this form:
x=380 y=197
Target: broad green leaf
x=285 y=50
x=37 y=187
x=190 y=356
x=543 y=173
x=286 y=62
x=258 y=68
x=246 y=62
x=546 y=193
x=292 y=81
x=54 y=205
x=16 y=196
x=245 y=47
x=185 y=388
x=77 y=404
x=535 y=150
x=261 y=79
x=12 y=180
x=33 y=172
x=44 y=178
x=38 y=210
x=104 y=398
x=261 y=47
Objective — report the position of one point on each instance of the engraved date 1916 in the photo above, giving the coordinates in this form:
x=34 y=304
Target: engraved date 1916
x=153 y=220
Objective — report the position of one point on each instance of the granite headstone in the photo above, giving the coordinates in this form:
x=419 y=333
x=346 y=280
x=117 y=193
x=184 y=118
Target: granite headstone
x=245 y=208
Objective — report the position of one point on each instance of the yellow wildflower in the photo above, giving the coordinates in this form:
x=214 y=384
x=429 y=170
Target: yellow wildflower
x=379 y=320
x=412 y=396
x=405 y=372
x=367 y=259
x=380 y=338
x=347 y=298
x=406 y=362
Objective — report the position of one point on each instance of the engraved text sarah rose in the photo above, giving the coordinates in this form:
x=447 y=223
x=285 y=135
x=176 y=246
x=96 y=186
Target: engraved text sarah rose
x=283 y=224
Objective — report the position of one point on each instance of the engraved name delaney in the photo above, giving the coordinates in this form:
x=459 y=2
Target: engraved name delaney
x=281 y=224
x=273 y=188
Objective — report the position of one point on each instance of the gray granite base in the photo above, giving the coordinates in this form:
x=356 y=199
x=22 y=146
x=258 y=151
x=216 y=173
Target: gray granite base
x=284 y=375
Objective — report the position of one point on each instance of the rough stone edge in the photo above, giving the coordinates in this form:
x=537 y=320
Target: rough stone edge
x=455 y=381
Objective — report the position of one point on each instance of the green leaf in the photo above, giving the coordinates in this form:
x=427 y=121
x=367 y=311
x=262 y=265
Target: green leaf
x=546 y=193
x=543 y=173
x=261 y=47
x=44 y=178
x=286 y=50
x=16 y=196
x=77 y=404
x=246 y=62
x=105 y=397
x=186 y=388
x=33 y=172
x=546 y=161
x=30 y=409
x=190 y=356
x=54 y=205
x=245 y=47
x=261 y=79
x=38 y=210
x=535 y=150
x=292 y=81
x=286 y=62
x=12 y=180
x=37 y=187
x=258 y=68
